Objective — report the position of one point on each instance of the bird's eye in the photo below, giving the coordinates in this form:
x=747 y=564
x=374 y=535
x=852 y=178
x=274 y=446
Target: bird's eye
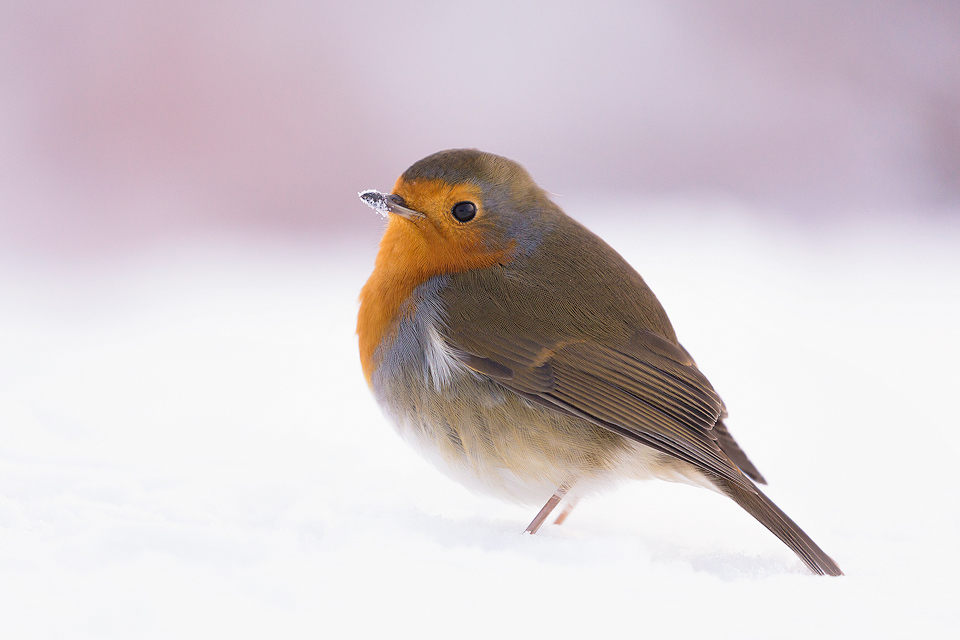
x=464 y=211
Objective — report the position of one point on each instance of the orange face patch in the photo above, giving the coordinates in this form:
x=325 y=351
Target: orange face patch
x=413 y=251
x=451 y=245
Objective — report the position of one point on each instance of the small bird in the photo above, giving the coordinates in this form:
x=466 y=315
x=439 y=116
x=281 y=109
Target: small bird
x=525 y=358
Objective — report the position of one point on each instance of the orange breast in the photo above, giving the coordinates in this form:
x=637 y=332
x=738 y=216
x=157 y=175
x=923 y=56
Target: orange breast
x=413 y=252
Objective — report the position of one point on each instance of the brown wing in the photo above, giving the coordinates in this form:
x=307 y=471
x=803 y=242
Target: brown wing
x=729 y=445
x=645 y=388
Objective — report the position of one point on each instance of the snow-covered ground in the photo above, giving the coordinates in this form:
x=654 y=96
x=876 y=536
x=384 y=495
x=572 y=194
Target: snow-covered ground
x=188 y=449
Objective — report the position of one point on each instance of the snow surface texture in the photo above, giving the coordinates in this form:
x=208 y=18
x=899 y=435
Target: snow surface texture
x=188 y=449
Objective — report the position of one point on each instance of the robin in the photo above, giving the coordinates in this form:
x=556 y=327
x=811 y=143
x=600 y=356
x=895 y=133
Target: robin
x=524 y=357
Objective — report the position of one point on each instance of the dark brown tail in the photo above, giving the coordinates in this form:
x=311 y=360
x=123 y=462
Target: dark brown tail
x=770 y=516
x=730 y=447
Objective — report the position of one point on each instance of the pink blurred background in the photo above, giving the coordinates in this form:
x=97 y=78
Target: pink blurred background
x=124 y=123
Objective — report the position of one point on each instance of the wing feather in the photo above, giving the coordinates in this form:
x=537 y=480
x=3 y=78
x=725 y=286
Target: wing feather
x=648 y=392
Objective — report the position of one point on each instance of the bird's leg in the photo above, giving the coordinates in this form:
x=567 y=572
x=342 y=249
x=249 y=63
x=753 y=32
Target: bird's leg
x=554 y=500
x=567 y=508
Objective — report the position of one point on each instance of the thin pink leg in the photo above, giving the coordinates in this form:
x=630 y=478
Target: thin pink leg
x=554 y=500
x=567 y=508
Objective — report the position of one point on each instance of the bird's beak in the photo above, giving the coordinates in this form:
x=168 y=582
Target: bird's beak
x=388 y=203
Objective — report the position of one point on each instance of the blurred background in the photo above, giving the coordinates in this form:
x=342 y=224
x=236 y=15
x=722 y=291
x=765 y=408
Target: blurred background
x=124 y=123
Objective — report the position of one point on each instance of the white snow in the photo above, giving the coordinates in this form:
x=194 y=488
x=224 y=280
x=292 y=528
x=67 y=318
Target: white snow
x=188 y=449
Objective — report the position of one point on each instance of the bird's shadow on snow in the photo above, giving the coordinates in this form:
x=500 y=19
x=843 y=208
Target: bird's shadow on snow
x=575 y=546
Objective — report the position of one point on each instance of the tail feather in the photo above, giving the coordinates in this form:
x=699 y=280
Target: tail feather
x=769 y=515
x=730 y=447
